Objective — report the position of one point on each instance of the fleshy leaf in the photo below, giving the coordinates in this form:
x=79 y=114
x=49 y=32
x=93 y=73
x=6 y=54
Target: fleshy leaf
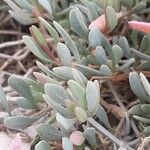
x=64 y=54
x=136 y=110
x=67 y=74
x=46 y=4
x=77 y=22
x=90 y=135
x=70 y=43
x=50 y=29
x=78 y=92
x=66 y=144
x=80 y=114
x=101 y=57
x=102 y=116
x=142 y=119
x=118 y=53
x=56 y=106
x=19 y=85
x=145 y=83
x=92 y=97
x=20 y=122
x=67 y=124
x=111 y=17
x=137 y=87
x=42 y=145
x=24 y=103
x=4 y=101
x=94 y=37
x=49 y=133
x=105 y=71
x=36 y=50
x=56 y=93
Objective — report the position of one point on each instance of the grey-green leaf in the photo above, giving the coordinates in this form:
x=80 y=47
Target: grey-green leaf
x=102 y=116
x=19 y=85
x=57 y=107
x=77 y=77
x=42 y=145
x=77 y=22
x=142 y=119
x=94 y=37
x=64 y=54
x=146 y=131
x=80 y=114
x=56 y=93
x=90 y=135
x=49 y=133
x=24 y=103
x=137 y=87
x=50 y=29
x=66 y=144
x=145 y=108
x=46 y=4
x=45 y=69
x=145 y=44
x=88 y=72
x=67 y=124
x=78 y=92
x=36 y=50
x=101 y=57
x=111 y=17
x=20 y=122
x=124 y=45
x=4 y=101
x=70 y=43
x=105 y=71
x=145 y=83
x=127 y=64
x=66 y=73
x=118 y=53
x=136 y=110
x=92 y=97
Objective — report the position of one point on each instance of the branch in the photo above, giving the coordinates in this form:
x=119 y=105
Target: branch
x=108 y=134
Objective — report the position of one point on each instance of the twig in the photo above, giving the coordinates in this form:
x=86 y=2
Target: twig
x=5 y=56
x=116 y=96
x=12 y=43
x=134 y=142
x=11 y=32
x=5 y=20
x=4 y=65
x=21 y=66
x=136 y=131
x=108 y=134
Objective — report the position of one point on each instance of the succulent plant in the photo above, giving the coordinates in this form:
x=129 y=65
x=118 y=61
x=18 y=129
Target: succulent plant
x=69 y=86
x=140 y=111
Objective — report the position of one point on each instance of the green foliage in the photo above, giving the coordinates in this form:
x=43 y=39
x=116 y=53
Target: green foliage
x=42 y=145
x=68 y=88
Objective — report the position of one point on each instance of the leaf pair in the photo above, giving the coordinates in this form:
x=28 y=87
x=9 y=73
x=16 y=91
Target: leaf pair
x=140 y=86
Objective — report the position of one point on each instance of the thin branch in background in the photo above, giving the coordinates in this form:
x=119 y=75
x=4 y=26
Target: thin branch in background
x=12 y=43
x=134 y=127
x=5 y=20
x=116 y=96
x=11 y=32
x=102 y=130
x=19 y=55
x=134 y=142
x=21 y=66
